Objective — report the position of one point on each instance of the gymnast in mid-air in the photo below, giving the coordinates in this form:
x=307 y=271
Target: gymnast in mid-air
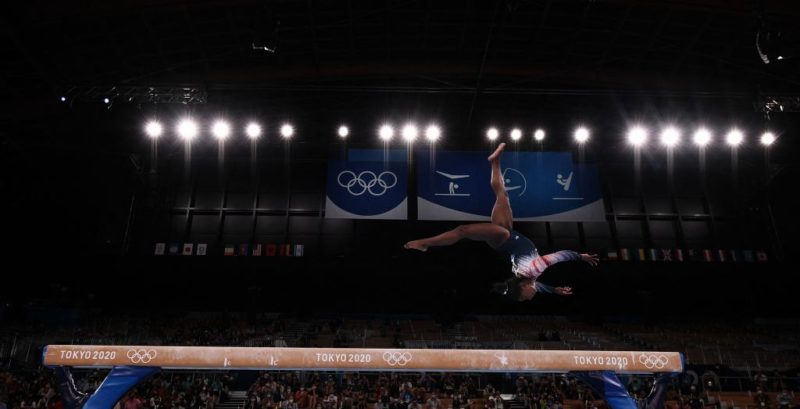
x=526 y=263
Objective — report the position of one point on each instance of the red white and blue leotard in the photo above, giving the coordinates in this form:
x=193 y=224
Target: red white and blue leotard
x=526 y=261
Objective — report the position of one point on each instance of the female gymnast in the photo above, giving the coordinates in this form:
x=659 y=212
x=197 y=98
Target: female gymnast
x=526 y=263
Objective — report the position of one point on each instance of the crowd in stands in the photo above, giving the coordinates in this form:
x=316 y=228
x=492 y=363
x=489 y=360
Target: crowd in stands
x=37 y=389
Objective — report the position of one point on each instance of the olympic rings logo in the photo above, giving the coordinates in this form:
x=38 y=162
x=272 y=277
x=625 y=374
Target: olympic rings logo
x=141 y=356
x=653 y=361
x=367 y=181
x=397 y=358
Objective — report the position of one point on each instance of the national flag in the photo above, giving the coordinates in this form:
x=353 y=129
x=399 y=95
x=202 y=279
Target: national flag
x=230 y=250
x=734 y=256
x=653 y=255
x=612 y=255
x=271 y=250
x=298 y=250
x=666 y=254
x=641 y=255
x=174 y=249
x=243 y=249
x=707 y=255
x=678 y=255
x=748 y=256
x=285 y=250
x=201 y=249
x=160 y=248
x=257 y=249
x=721 y=256
x=624 y=254
x=761 y=255
x=187 y=249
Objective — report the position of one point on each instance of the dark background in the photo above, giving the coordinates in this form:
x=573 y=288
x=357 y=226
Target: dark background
x=83 y=210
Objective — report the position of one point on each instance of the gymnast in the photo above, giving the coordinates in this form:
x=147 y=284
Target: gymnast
x=526 y=263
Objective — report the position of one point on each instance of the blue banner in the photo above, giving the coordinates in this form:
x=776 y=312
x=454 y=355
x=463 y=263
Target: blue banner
x=367 y=189
x=542 y=186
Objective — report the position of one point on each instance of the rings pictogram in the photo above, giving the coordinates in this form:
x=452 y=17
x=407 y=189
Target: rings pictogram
x=397 y=358
x=366 y=181
x=653 y=361
x=141 y=356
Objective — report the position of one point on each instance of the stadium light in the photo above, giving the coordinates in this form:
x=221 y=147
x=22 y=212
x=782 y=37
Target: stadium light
x=702 y=137
x=582 y=134
x=433 y=133
x=153 y=129
x=492 y=134
x=287 y=131
x=410 y=133
x=637 y=136
x=221 y=130
x=253 y=130
x=187 y=129
x=386 y=133
x=734 y=138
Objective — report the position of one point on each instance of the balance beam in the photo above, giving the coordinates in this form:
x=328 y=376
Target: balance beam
x=361 y=359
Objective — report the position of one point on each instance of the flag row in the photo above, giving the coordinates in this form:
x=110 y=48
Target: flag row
x=679 y=255
x=202 y=249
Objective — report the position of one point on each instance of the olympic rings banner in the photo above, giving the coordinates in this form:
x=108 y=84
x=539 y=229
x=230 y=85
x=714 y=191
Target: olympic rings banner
x=367 y=189
x=542 y=186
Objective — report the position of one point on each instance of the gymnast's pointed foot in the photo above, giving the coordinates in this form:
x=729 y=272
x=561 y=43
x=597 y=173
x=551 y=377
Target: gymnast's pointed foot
x=496 y=154
x=416 y=245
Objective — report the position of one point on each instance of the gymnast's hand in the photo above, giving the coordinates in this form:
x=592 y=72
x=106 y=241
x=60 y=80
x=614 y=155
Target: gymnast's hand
x=590 y=258
x=564 y=290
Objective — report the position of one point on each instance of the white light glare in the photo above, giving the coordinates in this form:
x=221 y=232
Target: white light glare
x=253 y=130
x=343 y=131
x=581 y=135
x=153 y=129
x=221 y=130
x=287 y=131
x=492 y=134
x=187 y=129
x=386 y=133
x=637 y=136
x=734 y=137
x=516 y=134
x=768 y=138
x=538 y=135
x=433 y=133
x=410 y=133
x=670 y=136
x=702 y=137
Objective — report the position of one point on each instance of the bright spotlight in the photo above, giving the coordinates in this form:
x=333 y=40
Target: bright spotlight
x=702 y=137
x=492 y=134
x=538 y=135
x=343 y=131
x=432 y=133
x=153 y=129
x=734 y=137
x=670 y=136
x=106 y=100
x=287 y=131
x=221 y=130
x=386 y=133
x=63 y=99
x=768 y=138
x=187 y=129
x=253 y=130
x=637 y=136
x=581 y=135
x=516 y=134
x=410 y=133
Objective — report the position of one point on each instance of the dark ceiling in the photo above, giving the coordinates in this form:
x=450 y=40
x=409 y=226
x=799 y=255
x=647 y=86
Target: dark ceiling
x=505 y=47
